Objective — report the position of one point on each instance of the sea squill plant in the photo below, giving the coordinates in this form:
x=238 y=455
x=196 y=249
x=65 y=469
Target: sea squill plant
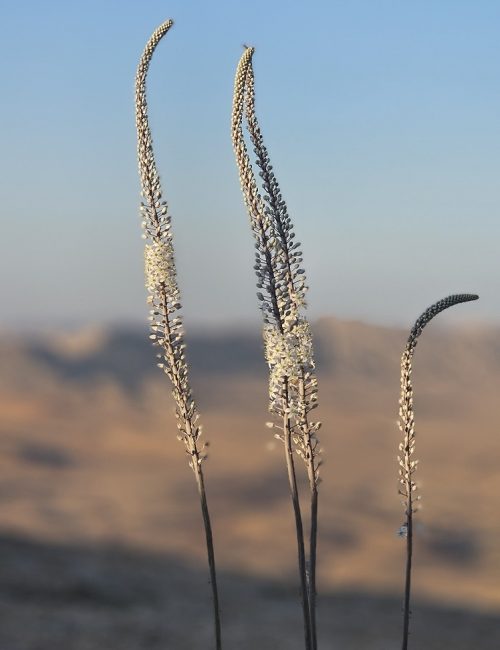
x=164 y=300
x=287 y=333
x=407 y=463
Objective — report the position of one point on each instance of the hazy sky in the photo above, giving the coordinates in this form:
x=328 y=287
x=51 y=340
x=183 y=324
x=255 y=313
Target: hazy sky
x=382 y=121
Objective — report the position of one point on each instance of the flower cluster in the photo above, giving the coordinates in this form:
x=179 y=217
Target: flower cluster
x=289 y=356
x=160 y=273
x=281 y=280
x=159 y=267
x=408 y=466
x=287 y=253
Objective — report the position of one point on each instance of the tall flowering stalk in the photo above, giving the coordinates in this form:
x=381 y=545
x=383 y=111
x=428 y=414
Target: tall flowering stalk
x=164 y=299
x=407 y=465
x=287 y=334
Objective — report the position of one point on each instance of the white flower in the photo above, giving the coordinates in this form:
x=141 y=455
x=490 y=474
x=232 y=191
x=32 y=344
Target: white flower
x=289 y=356
x=160 y=267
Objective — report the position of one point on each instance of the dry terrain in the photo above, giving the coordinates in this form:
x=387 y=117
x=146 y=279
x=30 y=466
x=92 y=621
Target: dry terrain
x=101 y=545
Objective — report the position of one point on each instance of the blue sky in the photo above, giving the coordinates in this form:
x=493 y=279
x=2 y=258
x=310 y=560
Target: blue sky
x=382 y=121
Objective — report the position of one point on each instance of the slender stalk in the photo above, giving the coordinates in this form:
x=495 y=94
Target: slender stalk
x=313 y=541
x=292 y=480
x=408 y=466
x=310 y=454
x=164 y=298
x=210 y=552
x=409 y=554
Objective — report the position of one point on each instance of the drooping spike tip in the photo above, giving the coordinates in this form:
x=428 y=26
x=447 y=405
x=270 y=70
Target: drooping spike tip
x=435 y=309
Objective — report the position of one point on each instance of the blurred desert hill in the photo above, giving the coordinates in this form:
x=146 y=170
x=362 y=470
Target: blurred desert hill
x=89 y=461
x=349 y=349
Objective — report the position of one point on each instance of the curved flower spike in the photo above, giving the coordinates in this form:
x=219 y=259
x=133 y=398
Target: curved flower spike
x=408 y=466
x=287 y=334
x=164 y=300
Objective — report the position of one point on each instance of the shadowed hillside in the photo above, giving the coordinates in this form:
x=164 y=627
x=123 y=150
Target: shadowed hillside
x=78 y=597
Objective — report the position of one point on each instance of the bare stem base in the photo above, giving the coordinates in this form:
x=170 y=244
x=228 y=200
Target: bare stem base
x=300 y=534
x=406 y=607
x=210 y=554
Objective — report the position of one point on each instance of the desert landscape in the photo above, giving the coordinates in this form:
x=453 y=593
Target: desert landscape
x=306 y=181
x=100 y=533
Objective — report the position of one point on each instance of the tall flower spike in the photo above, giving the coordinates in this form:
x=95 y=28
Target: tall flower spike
x=164 y=300
x=280 y=277
x=287 y=334
x=407 y=465
x=298 y=336
x=161 y=276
